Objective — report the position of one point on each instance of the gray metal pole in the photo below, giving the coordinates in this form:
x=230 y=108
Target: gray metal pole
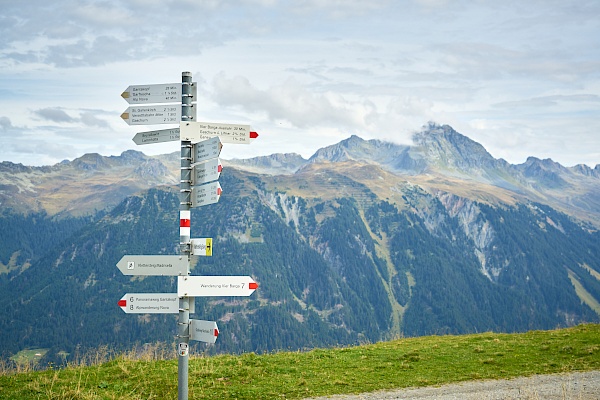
x=183 y=327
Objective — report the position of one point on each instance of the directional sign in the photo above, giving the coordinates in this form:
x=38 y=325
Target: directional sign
x=161 y=93
x=201 y=247
x=206 y=149
x=154 y=115
x=203 y=195
x=229 y=133
x=203 y=331
x=149 y=303
x=207 y=171
x=153 y=265
x=163 y=135
x=204 y=286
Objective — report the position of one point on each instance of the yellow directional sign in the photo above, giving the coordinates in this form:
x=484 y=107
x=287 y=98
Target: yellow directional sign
x=202 y=247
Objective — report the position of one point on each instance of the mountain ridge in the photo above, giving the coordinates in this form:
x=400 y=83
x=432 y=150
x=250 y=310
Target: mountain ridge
x=439 y=154
x=344 y=251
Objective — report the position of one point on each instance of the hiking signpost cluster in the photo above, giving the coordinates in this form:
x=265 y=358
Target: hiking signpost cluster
x=201 y=144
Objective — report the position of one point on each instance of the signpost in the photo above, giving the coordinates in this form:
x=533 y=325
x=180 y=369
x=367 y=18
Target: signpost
x=206 y=149
x=202 y=247
x=203 y=331
x=229 y=133
x=161 y=93
x=153 y=265
x=207 y=171
x=154 y=114
x=203 y=195
x=151 y=303
x=172 y=103
x=159 y=136
x=205 y=286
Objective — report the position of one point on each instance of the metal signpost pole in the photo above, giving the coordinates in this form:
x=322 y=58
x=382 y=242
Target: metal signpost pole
x=183 y=331
x=199 y=186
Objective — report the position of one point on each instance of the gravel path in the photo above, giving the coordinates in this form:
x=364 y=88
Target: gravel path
x=573 y=386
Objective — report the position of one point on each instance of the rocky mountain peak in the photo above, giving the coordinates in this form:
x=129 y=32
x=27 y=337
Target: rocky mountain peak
x=545 y=172
x=353 y=148
x=443 y=146
x=132 y=156
x=90 y=162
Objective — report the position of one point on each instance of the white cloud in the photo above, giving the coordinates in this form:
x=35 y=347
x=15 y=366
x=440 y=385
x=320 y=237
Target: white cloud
x=54 y=114
x=521 y=77
x=292 y=102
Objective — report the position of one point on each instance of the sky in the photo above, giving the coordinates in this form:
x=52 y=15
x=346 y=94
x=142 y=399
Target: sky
x=520 y=77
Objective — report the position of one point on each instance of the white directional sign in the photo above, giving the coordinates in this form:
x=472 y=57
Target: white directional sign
x=152 y=303
x=202 y=247
x=206 y=149
x=153 y=265
x=203 y=286
x=161 y=93
x=229 y=133
x=155 y=115
x=207 y=171
x=163 y=135
x=203 y=195
x=203 y=331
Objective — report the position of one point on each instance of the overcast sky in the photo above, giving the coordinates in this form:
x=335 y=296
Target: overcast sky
x=520 y=77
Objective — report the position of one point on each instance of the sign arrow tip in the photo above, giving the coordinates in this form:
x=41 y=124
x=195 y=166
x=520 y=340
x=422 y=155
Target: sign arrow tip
x=125 y=95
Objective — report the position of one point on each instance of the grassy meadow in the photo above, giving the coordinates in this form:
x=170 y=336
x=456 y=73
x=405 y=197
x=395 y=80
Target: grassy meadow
x=402 y=363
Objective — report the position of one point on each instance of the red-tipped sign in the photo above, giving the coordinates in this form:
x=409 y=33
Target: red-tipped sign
x=150 y=303
x=207 y=171
x=203 y=331
x=206 y=286
x=229 y=133
x=208 y=193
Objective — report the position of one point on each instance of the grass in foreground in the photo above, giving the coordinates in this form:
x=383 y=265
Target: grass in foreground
x=414 y=362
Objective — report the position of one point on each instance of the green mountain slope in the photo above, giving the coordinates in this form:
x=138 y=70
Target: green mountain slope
x=332 y=271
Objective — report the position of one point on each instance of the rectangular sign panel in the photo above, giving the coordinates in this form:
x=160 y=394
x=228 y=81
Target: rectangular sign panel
x=203 y=195
x=207 y=171
x=163 y=135
x=229 y=133
x=205 y=286
x=203 y=331
x=150 y=303
x=206 y=149
x=153 y=265
x=160 y=93
x=155 y=115
x=202 y=247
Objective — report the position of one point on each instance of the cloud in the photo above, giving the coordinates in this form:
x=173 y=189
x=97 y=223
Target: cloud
x=547 y=101
x=54 y=114
x=59 y=116
x=89 y=119
x=292 y=102
x=5 y=124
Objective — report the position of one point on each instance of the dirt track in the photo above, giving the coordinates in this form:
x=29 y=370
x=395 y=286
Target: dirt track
x=573 y=386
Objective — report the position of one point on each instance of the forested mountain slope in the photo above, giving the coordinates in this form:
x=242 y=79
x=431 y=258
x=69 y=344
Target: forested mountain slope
x=363 y=242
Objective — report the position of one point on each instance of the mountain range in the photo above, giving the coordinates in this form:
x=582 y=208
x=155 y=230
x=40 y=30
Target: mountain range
x=364 y=241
